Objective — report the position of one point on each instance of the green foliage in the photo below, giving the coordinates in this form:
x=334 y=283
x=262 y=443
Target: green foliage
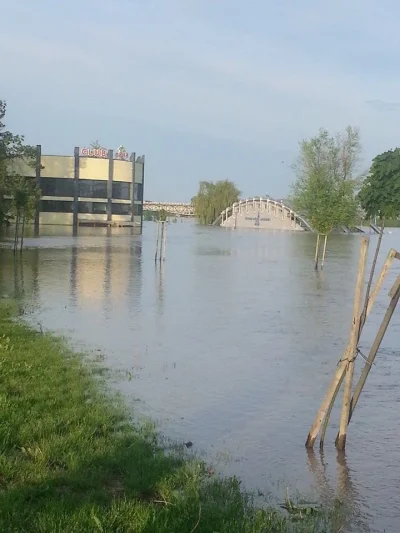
x=96 y=145
x=380 y=193
x=213 y=198
x=71 y=461
x=325 y=188
x=22 y=191
x=162 y=215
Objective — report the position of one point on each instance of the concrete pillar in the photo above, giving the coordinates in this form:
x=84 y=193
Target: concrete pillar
x=38 y=168
x=76 y=189
x=109 y=184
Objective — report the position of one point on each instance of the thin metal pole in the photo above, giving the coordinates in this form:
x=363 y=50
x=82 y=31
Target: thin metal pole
x=157 y=238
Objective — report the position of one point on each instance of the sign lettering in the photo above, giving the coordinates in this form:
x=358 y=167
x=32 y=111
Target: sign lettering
x=102 y=153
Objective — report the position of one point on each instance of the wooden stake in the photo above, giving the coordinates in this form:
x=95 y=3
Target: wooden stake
x=371 y=276
x=158 y=235
x=327 y=403
x=316 y=253
x=164 y=240
x=395 y=295
x=161 y=239
x=351 y=354
x=22 y=233
x=323 y=252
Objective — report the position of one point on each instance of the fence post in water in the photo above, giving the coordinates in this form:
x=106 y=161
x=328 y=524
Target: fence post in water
x=352 y=351
x=157 y=239
x=164 y=240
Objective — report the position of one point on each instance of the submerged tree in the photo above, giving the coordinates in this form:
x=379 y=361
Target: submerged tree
x=18 y=194
x=213 y=198
x=325 y=187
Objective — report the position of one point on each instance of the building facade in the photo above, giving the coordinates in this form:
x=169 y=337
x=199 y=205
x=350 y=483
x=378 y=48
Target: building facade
x=91 y=187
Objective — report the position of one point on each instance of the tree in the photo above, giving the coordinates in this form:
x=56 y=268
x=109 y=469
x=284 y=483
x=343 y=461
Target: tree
x=213 y=198
x=325 y=188
x=21 y=190
x=97 y=146
x=380 y=194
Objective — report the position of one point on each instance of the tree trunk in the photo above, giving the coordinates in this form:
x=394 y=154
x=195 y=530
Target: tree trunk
x=354 y=336
x=316 y=253
x=323 y=252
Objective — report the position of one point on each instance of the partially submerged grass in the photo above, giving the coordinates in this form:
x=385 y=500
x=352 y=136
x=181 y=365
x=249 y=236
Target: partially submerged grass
x=71 y=461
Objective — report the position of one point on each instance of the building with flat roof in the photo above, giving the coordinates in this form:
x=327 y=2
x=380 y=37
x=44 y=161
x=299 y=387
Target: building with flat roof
x=90 y=187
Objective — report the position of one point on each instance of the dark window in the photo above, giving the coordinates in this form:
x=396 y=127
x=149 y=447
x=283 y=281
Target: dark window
x=95 y=208
x=121 y=190
x=139 y=192
x=121 y=209
x=56 y=206
x=138 y=209
x=92 y=189
x=57 y=187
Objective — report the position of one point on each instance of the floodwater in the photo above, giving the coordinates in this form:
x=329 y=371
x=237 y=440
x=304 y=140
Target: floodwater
x=231 y=344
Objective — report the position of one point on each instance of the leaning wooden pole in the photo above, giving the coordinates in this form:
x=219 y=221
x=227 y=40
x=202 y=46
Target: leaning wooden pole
x=329 y=398
x=338 y=378
x=395 y=295
x=157 y=239
x=352 y=352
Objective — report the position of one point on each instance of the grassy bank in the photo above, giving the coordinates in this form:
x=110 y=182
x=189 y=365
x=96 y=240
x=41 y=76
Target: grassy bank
x=72 y=462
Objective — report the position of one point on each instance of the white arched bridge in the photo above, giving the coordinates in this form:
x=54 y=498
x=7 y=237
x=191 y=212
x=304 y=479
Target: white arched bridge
x=262 y=212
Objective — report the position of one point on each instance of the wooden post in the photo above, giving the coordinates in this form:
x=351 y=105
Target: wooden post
x=323 y=252
x=164 y=240
x=157 y=239
x=161 y=239
x=22 y=233
x=327 y=403
x=395 y=295
x=351 y=354
x=316 y=253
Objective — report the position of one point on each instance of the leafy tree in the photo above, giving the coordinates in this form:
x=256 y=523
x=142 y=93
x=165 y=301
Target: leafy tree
x=380 y=194
x=213 y=198
x=21 y=190
x=325 y=188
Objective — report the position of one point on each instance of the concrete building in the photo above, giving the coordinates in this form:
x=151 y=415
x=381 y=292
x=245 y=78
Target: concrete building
x=90 y=187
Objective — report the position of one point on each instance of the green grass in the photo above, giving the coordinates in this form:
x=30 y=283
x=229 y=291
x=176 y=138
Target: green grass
x=72 y=461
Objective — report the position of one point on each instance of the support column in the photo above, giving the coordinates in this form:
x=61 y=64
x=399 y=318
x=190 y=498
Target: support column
x=133 y=186
x=141 y=199
x=109 y=184
x=38 y=183
x=76 y=190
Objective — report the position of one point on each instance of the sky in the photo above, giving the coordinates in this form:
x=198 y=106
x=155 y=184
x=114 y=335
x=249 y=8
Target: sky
x=206 y=89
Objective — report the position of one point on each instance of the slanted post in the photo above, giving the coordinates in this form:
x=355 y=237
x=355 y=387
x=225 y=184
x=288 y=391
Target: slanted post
x=351 y=353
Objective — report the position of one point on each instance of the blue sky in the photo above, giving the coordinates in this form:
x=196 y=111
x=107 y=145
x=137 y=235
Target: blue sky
x=207 y=89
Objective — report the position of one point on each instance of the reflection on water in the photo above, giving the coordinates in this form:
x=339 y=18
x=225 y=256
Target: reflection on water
x=232 y=341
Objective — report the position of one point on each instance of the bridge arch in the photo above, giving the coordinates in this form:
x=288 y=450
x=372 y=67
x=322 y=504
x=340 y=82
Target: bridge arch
x=262 y=212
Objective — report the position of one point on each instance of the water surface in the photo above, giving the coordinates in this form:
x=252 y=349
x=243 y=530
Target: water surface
x=231 y=344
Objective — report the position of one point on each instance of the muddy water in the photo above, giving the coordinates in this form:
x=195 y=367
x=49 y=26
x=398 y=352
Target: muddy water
x=231 y=344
